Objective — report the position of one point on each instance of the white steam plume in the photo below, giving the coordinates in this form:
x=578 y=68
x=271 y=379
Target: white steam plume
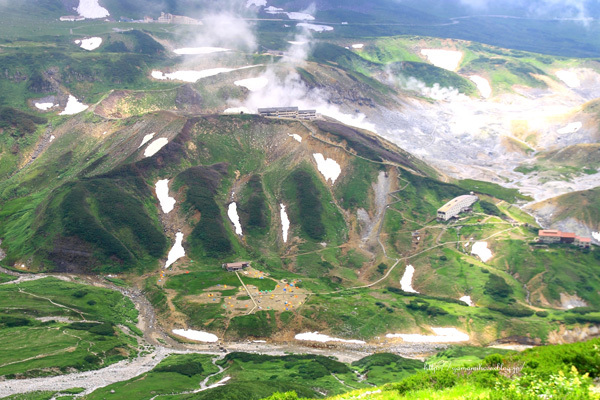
x=285 y=88
x=226 y=30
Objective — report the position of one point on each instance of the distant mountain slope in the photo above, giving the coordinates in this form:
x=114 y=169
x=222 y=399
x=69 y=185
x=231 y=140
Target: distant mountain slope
x=573 y=212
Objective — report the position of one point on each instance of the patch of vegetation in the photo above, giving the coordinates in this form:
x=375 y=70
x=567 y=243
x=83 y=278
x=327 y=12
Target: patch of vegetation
x=254 y=211
x=47 y=347
x=432 y=75
x=209 y=237
x=494 y=190
x=259 y=325
x=18 y=122
x=175 y=374
x=303 y=191
x=497 y=288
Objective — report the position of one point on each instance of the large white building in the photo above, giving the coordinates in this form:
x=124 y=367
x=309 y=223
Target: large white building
x=456 y=206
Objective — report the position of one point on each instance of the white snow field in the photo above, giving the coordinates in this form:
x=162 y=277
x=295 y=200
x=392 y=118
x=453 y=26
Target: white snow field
x=406 y=281
x=167 y=203
x=447 y=59
x=570 y=128
x=297 y=43
x=91 y=9
x=314 y=27
x=90 y=43
x=480 y=249
x=194 y=76
x=146 y=139
x=483 y=85
x=234 y=217
x=569 y=78
x=73 y=106
x=319 y=337
x=196 y=335
x=296 y=137
x=442 y=335
x=467 y=299
x=253 y=84
x=176 y=251
x=155 y=146
x=328 y=167
x=285 y=223
x=199 y=50
x=44 y=106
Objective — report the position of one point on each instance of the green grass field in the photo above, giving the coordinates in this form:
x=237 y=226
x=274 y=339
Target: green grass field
x=38 y=338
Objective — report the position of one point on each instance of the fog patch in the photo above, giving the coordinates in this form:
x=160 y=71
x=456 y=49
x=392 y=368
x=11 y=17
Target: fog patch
x=199 y=50
x=253 y=84
x=91 y=9
x=315 y=27
x=194 y=76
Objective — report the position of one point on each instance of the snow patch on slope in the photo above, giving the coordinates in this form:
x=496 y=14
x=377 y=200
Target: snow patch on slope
x=285 y=223
x=146 y=139
x=90 y=43
x=74 y=106
x=569 y=78
x=199 y=336
x=483 y=85
x=167 y=203
x=296 y=137
x=573 y=127
x=234 y=217
x=467 y=299
x=44 y=106
x=177 y=251
x=406 y=281
x=442 y=335
x=319 y=337
x=480 y=249
x=330 y=169
x=155 y=146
